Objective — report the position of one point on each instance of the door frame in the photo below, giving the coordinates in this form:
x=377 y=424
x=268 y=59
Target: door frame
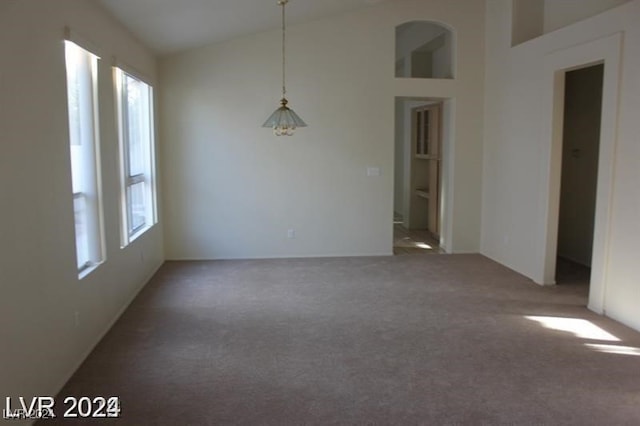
x=447 y=135
x=607 y=50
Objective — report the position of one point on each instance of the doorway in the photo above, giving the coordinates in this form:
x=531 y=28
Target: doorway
x=606 y=50
x=418 y=188
x=579 y=174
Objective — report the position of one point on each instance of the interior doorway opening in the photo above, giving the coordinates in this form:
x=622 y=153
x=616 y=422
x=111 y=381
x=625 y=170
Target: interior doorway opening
x=607 y=51
x=579 y=174
x=421 y=136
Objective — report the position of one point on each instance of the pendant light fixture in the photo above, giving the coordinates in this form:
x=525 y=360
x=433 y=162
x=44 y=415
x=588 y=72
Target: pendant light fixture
x=284 y=120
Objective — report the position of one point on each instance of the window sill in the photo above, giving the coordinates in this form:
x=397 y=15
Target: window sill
x=138 y=234
x=88 y=270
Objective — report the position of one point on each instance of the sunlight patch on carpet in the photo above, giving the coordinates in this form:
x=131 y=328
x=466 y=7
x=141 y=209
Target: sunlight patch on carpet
x=613 y=349
x=579 y=327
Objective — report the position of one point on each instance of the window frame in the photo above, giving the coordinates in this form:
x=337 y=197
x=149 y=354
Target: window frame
x=148 y=176
x=84 y=132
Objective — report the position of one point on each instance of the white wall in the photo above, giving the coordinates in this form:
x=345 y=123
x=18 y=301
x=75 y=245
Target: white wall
x=415 y=35
x=517 y=147
x=410 y=37
x=528 y=20
x=560 y=13
x=233 y=189
x=39 y=287
x=443 y=59
x=532 y=18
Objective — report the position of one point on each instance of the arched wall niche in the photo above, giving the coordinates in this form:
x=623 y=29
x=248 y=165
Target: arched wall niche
x=424 y=49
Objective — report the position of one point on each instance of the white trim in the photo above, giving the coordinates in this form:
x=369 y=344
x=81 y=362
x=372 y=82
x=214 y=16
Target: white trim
x=122 y=158
x=338 y=255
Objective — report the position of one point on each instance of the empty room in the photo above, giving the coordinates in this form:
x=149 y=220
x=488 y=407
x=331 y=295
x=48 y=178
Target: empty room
x=292 y=212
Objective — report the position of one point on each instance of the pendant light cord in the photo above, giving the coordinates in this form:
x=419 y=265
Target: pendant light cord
x=284 y=90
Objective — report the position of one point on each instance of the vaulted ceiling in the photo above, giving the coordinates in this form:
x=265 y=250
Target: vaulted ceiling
x=168 y=26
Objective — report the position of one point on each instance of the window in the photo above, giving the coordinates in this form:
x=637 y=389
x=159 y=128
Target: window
x=135 y=100
x=84 y=146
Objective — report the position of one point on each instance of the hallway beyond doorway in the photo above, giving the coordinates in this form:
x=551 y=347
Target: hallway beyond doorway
x=413 y=241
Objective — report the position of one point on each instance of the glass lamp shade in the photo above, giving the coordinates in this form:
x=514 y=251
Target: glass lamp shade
x=284 y=120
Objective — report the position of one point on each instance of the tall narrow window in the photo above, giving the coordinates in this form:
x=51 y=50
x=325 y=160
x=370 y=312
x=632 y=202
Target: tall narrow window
x=135 y=100
x=85 y=166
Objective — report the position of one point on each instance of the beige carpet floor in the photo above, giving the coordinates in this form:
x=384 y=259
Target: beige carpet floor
x=404 y=340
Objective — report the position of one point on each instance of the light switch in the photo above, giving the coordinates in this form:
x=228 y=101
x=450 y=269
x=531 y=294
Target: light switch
x=373 y=171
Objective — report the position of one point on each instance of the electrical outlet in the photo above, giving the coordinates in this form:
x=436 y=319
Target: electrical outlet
x=291 y=234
